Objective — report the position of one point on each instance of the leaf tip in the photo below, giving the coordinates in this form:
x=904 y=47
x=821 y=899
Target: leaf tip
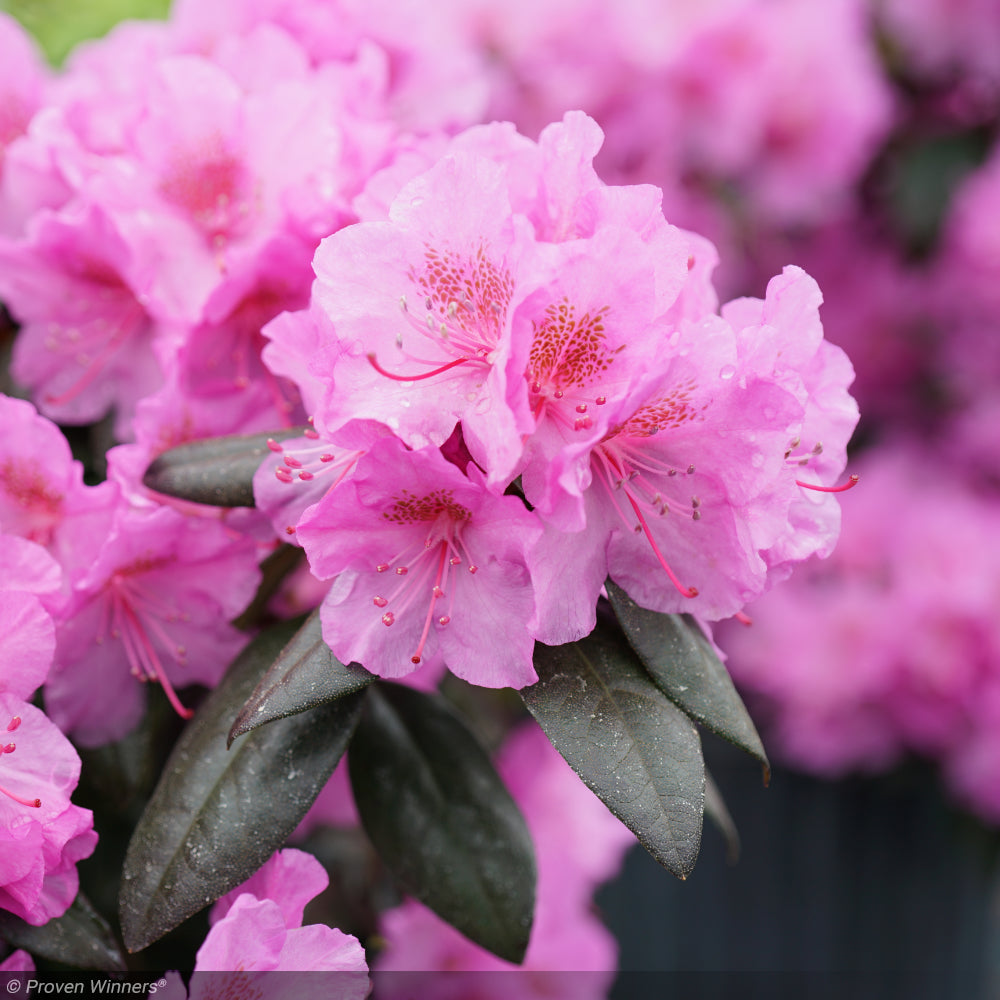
x=766 y=774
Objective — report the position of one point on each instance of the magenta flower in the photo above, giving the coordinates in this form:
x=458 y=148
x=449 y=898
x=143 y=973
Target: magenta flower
x=17 y=961
x=43 y=834
x=155 y=605
x=427 y=564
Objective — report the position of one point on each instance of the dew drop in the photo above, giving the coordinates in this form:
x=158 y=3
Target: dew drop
x=726 y=372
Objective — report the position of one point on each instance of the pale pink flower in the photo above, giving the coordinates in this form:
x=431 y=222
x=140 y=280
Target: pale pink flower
x=427 y=564
x=699 y=484
x=86 y=340
x=23 y=81
x=423 y=305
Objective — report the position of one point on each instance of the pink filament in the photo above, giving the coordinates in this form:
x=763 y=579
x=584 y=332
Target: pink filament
x=416 y=378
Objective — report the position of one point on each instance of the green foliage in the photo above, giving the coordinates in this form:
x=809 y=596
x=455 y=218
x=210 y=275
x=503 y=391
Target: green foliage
x=684 y=665
x=304 y=675
x=59 y=24
x=217 y=814
x=628 y=742
x=81 y=937
x=441 y=818
x=217 y=471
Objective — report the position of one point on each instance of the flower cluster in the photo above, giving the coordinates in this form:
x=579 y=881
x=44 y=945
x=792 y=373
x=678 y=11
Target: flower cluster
x=559 y=338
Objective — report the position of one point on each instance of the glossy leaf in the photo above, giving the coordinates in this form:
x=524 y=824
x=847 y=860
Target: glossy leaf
x=633 y=747
x=682 y=662
x=217 y=471
x=217 y=815
x=441 y=818
x=80 y=937
x=305 y=674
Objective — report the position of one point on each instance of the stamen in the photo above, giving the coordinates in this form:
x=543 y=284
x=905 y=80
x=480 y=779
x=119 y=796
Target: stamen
x=31 y=803
x=850 y=484
x=416 y=378
x=684 y=591
x=436 y=593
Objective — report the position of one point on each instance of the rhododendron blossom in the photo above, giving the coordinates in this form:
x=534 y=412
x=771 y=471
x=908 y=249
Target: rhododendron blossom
x=573 y=337
x=156 y=605
x=42 y=833
x=427 y=564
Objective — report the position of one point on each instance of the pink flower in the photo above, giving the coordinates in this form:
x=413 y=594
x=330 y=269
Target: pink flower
x=155 y=605
x=257 y=927
x=694 y=478
x=427 y=565
x=86 y=341
x=17 y=961
x=423 y=306
x=23 y=79
x=42 y=495
x=578 y=844
x=43 y=834
x=843 y=691
x=30 y=585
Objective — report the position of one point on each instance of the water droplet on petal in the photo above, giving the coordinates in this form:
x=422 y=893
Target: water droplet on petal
x=726 y=372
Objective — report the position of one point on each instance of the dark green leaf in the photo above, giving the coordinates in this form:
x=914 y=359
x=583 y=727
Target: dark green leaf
x=686 y=668
x=217 y=471
x=441 y=818
x=217 y=815
x=304 y=675
x=636 y=750
x=80 y=937
x=716 y=811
